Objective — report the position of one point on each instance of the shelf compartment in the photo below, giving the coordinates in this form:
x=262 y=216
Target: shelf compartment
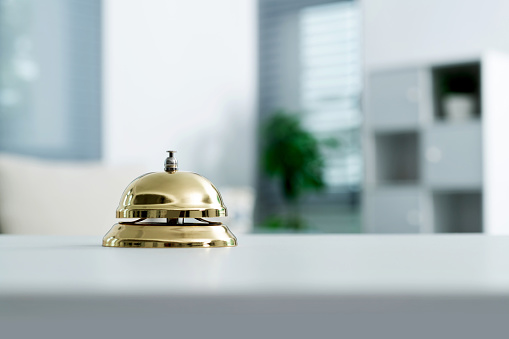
x=457 y=91
x=397 y=157
x=458 y=212
x=394 y=98
x=395 y=210
x=453 y=156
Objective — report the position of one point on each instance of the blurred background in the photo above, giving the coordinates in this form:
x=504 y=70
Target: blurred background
x=314 y=116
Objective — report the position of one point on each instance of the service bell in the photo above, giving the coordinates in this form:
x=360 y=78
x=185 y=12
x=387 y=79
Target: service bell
x=173 y=196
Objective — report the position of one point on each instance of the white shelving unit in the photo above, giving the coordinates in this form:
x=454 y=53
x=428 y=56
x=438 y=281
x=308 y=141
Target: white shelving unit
x=430 y=166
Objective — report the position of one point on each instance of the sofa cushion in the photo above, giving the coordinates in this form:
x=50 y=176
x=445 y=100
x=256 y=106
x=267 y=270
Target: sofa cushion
x=56 y=197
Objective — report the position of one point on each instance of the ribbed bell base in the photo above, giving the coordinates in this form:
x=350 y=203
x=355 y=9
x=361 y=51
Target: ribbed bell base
x=154 y=235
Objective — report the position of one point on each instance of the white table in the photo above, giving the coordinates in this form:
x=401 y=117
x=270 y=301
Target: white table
x=271 y=286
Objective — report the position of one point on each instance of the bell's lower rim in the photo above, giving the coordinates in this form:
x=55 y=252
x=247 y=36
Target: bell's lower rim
x=154 y=214
x=160 y=236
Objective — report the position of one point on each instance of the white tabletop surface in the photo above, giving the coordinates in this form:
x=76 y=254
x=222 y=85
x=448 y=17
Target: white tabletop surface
x=260 y=265
x=271 y=286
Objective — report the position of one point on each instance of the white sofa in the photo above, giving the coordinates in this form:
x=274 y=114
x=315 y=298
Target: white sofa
x=79 y=198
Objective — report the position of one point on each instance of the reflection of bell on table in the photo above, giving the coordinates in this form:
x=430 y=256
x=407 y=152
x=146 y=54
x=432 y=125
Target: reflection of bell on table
x=174 y=196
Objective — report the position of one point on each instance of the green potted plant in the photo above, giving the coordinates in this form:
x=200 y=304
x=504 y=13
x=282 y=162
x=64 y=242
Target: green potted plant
x=292 y=156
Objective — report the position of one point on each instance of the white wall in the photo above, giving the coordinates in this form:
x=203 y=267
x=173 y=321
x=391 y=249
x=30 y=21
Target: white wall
x=405 y=32
x=181 y=75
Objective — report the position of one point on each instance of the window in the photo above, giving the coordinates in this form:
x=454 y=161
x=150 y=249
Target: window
x=310 y=62
x=50 y=78
x=331 y=86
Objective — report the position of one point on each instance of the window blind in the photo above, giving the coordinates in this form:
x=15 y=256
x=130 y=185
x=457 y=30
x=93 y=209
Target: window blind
x=331 y=85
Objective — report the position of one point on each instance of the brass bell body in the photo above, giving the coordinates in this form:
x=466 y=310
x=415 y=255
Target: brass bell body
x=173 y=196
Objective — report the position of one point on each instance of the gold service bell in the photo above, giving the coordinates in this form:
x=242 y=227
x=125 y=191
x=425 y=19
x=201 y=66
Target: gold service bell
x=173 y=195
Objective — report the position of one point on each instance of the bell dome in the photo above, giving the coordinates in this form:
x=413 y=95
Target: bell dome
x=174 y=194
